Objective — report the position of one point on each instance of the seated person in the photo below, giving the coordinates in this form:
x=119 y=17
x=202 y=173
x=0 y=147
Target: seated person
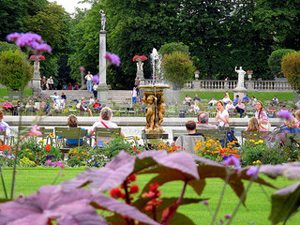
x=8 y=107
x=4 y=127
x=203 y=122
x=212 y=102
x=105 y=122
x=240 y=108
x=236 y=100
x=196 y=98
x=17 y=108
x=225 y=100
x=291 y=126
x=275 y=100
x=92 y=100
x=229 y=107
x=57 y=105
x=73 y=122
x=30 y=106
x=253 y=100
x=76 y=87
x=188 y=141
x=254 y=126
x=188 y=100
x=63 y=96
x=70 y=86
x=83 y=107
x=97 y=106
x=195 y=108
x=246 y=99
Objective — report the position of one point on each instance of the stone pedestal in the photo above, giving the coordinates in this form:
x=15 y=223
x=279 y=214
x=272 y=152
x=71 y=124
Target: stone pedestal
x=197 y=84
x=35 y=82
x=102 y=94
x=240 y=91
x=250 y=85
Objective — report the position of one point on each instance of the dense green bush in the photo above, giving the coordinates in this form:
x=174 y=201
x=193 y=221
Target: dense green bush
x=174 y=47
x=4 y=46
x=14 y=73
x=275 y=60
x=291 y=69
x=178 y=68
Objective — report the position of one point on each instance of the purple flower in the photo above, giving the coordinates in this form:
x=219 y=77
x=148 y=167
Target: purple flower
x=285 y=114
x=231 y=160
x=252 y=172
x=228 y=216
x=31 y=40
x=48 y=162
x=205 y=202
x=113 y=58
x=96 y=79
x=2 y=127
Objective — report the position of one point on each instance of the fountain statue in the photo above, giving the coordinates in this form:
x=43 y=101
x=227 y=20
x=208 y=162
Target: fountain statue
x=154 y=57
x=153 y=97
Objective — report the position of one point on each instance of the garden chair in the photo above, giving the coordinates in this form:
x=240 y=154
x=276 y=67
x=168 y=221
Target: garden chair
x=214 y=134
x=106 y=134
x=64 y=133
x=254 y=135
x=47 y=134
x=188 y=143
x=177 y=133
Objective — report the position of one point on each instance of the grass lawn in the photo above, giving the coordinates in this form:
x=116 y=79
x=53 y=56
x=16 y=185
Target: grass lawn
x=3 y=92
x=257 y=203
x=263 y=96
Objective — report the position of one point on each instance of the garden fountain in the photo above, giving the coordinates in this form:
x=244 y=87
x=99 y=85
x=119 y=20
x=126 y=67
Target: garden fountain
x=153 y=97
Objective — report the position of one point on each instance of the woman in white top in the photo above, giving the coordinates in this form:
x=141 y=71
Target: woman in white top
x=222 y=116
x=3 y=127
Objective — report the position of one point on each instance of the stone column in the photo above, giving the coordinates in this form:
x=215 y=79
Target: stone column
x=102 y=95
x=140 y=71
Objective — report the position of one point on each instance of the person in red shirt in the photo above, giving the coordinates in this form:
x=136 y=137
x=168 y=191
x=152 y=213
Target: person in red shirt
x=8 y=107
x=97 y=106
x=70 y=86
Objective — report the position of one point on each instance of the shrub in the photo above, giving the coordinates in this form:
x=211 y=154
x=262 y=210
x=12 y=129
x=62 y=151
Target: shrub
x=174 y=47
x=275 y=60
x=291 y=69
x=4 y=46
x=12 y=71
x=178 y=68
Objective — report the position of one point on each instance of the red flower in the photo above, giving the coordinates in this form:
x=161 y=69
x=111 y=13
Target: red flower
x=134 y=148
x=132 y=178
x=115 y=193
x=139 y=152
x=48 y=147
x=134 y=189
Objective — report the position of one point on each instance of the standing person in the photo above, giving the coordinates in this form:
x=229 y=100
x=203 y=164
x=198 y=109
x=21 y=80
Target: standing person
x=89 y=79
x=105 y=122
x=136 y=84
x=134 y=95
x=50 y=83
x=44 y=82
x=261 y=116
x=222 y=117
x=240 y=108
x=95 y=89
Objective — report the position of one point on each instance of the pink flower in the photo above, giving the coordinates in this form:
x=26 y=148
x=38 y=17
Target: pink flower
x=112 y=58
x=35 y=131
x=142 y=57
x=81 y=68
x=48 y=162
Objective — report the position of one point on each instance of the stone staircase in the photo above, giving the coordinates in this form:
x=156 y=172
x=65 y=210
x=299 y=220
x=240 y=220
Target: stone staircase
x=118 y=96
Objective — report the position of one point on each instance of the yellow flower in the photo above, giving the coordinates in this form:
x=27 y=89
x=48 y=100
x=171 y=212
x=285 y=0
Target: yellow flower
x=51 y=135
x=254 y=134
x=27 y=149
x=260 y=141
x=42 y=141
x=125 y=139
x=256 y=143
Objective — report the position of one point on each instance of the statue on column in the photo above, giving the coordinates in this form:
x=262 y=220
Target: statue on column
x=103 y=19
x=241 y=76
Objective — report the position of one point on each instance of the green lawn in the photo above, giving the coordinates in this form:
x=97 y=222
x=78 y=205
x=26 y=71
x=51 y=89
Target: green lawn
x=257 y=203
x=3 y=92
x=263 y=96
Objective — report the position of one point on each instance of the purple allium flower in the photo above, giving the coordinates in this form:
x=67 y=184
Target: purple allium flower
x=285 y=114
x=96 y=79
x=31 y=40
x=113 y=58
x=252 y=172
x=231 y=160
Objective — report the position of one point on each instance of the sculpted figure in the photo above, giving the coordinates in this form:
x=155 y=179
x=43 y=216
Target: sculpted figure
x=150 y=116
x=161 y=110
x=103 y=19
x=241 y=76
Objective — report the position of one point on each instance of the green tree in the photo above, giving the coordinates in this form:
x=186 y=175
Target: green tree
x=275 y=60
x=13 y=73
x=178 y=68
x=173 y=47
x=291 y=69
